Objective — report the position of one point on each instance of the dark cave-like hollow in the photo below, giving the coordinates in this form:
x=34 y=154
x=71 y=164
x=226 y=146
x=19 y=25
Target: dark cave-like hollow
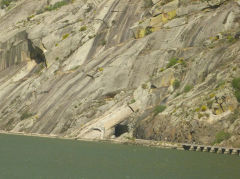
x=120 y=129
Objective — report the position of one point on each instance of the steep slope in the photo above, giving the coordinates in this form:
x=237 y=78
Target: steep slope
x=98 y=69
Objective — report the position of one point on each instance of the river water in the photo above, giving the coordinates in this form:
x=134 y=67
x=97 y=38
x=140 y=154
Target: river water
x=23 y=157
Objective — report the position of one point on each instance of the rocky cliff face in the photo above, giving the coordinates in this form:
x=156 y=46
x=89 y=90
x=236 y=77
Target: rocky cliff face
x=161 y=70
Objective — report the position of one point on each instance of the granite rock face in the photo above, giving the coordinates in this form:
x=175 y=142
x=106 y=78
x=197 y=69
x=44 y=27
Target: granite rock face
x=102 y=68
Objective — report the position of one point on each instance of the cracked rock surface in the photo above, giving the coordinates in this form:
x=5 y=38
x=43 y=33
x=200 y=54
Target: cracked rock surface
x=80 y=69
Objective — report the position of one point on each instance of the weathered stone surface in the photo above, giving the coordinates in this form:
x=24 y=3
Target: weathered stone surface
x=83 y=68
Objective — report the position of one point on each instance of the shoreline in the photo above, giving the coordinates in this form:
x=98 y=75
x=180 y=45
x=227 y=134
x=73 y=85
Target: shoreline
x=140 y=142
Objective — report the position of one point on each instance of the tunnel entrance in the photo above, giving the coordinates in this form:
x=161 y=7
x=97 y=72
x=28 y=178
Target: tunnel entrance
x=120 y=129
x=186 y=147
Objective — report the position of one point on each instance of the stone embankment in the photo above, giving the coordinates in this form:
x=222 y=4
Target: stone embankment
x=212 y=149
x=141 y=142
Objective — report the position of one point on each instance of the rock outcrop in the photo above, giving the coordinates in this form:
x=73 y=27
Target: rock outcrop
x=90 y=68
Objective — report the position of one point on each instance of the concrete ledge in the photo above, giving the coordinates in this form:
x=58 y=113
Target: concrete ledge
x=150 y=143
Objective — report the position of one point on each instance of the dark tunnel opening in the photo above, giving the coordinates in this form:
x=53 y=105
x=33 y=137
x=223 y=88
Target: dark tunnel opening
x=120 y=129
x=186 y=147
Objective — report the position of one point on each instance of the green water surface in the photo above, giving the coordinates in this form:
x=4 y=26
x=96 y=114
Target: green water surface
x=24 y=157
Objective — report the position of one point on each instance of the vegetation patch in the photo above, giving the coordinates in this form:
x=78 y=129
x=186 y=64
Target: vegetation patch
x=212 y=95
x=162 y=69
x=235 y=115
x=103 y=42
x=168 y=16
x=58 y=5
x=144 y=86
x=89 y=8
x=65 y=36
x=148 y=3
x=148 y=30
x=203 y=108
x=176 y=84
x=159 y=109
x=220 y=84
x=221 y=136
x=231 y=39
x=5 y=3
x=182 y=62
x=39 y=68
x=236 y=86
x=200 y=115
x=26 y=115
x=197 y=109
x=237 y=94
x=30 y=17
x=91 y=36
x=83 y=28
x=132 y=101
x=172 y=62
x=209 y=104
x=75 y=68
x=187 y=88
x=100 y=69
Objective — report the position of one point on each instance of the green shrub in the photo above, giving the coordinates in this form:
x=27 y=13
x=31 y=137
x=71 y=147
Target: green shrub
x=75 y=68
x=89 y=8
x=231 y=39
x=113 y=22
x=5 y=3
x=148 y=30
x=177 y=94
x=197 y=109
x=237 y=95
x=58 y=5
x=200 y=115
x=236 y=83
x=212 y=95
x=182 y=62
x=91 y=36
x=203 y=108
x=132 y=101
x=83 y=28
x=148 y=3
x=187 y=88
x=236 y=86
x=234 y=116
x=209 y=104
x=65 y=36
x=25 y=115
x=207 y=115
x=172 y=62
x=220 y=83
x=162 y=69
x=39 y=68
x=100 y=69
x=221 y=136
x=176 y=84
x=159 y=109
x=103 y=42
x=144 y=86
x=30 y=17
